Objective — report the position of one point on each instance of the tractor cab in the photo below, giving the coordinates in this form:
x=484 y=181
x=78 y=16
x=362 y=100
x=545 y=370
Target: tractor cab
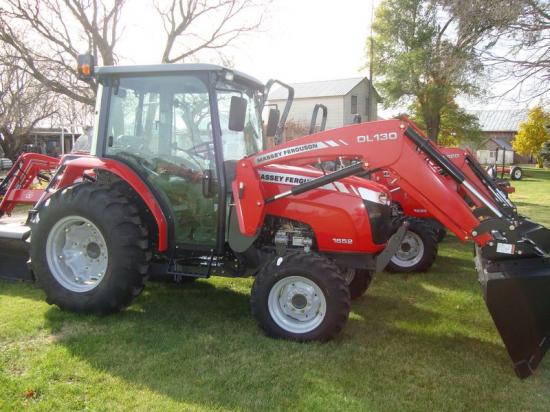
x=181 y=128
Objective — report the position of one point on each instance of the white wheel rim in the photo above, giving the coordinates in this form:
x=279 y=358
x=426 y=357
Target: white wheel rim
x=517 y=174
x=410 y=251
x=77 y=254
x=297 y=304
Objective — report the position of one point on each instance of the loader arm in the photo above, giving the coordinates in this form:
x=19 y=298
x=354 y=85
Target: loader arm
x=382 y=144
x=472 y=170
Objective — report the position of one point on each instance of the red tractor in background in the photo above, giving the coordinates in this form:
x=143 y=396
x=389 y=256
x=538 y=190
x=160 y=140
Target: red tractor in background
x=16 y=186
x=178 y=183
x=419 y=246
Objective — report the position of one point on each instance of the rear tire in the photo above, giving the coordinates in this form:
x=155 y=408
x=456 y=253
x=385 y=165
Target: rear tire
x=516 y=173
x=418 y=249
x=84 y=228
x=301 y=297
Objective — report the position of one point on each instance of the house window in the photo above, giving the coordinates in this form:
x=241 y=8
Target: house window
x=492 y=154
x=353 y=104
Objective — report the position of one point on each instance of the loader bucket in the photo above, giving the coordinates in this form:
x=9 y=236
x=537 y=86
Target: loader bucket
x=14 y=252
x=517 y=294
x=14 y=255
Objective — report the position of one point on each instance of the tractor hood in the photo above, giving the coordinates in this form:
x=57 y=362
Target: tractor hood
x=350 y=215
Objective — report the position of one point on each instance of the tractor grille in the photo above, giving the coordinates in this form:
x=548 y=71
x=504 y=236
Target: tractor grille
x=380 y=217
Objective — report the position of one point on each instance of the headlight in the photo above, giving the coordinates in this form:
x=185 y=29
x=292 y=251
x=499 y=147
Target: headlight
x=374 y=196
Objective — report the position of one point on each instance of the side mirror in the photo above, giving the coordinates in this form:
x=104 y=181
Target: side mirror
x=272 y=122
x=237 y=113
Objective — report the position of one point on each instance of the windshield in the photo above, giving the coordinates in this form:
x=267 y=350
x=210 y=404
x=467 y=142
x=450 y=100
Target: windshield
x=237 y=145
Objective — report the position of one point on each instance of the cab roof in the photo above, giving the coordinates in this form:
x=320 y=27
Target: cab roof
x=175 y=68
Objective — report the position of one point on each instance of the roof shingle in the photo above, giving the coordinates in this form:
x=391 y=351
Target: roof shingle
x=499 y=120
x=323 y=88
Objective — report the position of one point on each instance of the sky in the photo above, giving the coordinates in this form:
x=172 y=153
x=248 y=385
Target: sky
x=300 y=40
x=310 y=40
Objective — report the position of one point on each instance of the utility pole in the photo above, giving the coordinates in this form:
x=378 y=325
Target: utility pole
x=371 y=51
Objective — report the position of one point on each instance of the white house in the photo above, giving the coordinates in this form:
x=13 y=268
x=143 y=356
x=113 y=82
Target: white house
x=344 y=98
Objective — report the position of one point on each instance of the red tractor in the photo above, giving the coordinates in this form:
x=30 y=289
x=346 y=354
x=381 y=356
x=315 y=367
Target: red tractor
x=178 y=183
x=418 y=249
x=419 y=246
x=16 y=186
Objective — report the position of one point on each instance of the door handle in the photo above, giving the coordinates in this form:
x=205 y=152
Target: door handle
x=207 y=183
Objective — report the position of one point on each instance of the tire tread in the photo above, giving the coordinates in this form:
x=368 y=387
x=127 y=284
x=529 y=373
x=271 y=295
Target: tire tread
x=120 y=220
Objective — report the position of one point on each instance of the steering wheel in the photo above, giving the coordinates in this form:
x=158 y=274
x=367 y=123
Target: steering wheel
x=130 y=142
x=144 y=163
x=193 y=154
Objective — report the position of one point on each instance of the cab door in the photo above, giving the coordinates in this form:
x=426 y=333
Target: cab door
x=161 y=126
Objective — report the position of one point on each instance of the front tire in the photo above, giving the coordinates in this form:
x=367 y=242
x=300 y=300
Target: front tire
x=301 y=297
x=418 y=249
x=89 y=249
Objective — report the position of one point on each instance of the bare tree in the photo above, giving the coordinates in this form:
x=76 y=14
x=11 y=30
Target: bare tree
x=24 y=102
x=526 y=60
x=72 y=113
x=44 y=38
x=517 y=44
x=193 y=26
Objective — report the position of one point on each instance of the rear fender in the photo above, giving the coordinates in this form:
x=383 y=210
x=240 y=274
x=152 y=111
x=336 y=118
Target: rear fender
x=75 y=170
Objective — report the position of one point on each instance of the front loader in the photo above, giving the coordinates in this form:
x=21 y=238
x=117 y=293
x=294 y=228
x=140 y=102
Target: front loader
x=178 y=184
x=511 y=251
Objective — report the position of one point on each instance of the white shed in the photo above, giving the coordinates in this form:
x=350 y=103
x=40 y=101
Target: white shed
x=344 y=98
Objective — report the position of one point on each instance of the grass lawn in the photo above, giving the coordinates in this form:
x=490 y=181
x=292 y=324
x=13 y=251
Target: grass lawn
x=418 y=342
